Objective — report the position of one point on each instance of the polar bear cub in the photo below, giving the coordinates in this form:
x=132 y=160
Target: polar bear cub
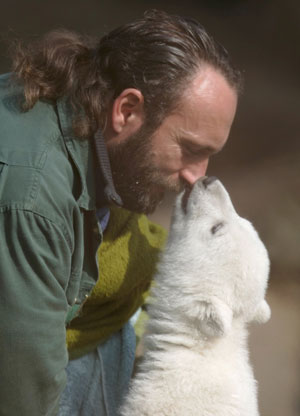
x=210 y=284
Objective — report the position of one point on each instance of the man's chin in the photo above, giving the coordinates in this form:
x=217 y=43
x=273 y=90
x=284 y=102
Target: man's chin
x=144 y=204
x=156 y=199
x=150 y=210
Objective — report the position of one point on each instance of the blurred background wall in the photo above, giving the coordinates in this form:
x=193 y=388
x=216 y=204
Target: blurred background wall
x=260 y=163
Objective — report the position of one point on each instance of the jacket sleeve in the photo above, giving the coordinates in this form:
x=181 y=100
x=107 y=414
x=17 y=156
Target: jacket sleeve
x=35 y=259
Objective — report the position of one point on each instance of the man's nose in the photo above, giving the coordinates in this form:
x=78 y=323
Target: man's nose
x=192 y=173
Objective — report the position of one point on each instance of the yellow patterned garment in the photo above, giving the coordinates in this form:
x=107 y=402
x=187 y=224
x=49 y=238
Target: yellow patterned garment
x=127 y=258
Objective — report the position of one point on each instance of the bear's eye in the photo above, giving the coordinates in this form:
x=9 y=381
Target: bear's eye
x=216 y=227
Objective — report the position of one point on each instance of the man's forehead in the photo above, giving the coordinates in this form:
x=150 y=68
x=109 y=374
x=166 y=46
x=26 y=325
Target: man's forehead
x=206 y=85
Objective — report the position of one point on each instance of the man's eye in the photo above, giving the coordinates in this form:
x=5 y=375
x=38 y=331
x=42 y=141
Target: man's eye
x=193 y=152
x=188 y=151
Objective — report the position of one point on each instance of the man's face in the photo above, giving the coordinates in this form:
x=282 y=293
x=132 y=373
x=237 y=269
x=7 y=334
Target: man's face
x=145 y=166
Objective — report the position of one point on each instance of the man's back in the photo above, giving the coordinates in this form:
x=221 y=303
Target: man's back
x=41 y=232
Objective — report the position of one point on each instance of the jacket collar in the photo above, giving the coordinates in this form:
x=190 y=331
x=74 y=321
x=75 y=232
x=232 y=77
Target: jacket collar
x=92 y=164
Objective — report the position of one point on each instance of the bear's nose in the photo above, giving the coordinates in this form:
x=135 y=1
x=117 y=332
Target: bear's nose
x=208 y=180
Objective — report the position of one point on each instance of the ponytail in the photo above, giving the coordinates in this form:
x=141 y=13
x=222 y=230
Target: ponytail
x=63 y=64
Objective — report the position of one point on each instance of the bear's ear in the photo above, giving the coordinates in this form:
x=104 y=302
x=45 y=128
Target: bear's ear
x=262 y=313
x=215 y=318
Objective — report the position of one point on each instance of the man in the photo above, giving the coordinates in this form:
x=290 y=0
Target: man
x=83 y=124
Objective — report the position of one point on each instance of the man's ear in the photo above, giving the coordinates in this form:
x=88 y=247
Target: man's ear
x=215 y=318
x=127 y=114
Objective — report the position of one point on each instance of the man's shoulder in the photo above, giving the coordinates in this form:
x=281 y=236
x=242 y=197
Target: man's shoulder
x=24 y=135
x=35 y=170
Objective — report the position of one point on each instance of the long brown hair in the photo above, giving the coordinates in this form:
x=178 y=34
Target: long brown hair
x=156 y=54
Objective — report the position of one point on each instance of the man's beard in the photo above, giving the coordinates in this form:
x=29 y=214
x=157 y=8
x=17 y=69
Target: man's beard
x=137 y=180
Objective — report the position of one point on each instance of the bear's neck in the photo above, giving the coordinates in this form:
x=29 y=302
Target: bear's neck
x=169 y=329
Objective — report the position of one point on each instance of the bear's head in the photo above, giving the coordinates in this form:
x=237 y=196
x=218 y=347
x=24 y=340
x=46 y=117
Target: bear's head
x=216 y=259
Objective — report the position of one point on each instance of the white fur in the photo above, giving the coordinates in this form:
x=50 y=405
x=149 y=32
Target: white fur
x=208 y=287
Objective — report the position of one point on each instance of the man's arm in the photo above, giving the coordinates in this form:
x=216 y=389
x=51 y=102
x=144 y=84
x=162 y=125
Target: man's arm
x=35 y=262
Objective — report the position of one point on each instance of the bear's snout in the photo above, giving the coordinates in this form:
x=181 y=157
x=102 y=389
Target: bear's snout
x=203 y=183
x=207 y=180
x=185 y=198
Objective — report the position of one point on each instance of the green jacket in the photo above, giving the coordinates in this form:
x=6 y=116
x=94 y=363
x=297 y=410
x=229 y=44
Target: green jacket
x=47 y=224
